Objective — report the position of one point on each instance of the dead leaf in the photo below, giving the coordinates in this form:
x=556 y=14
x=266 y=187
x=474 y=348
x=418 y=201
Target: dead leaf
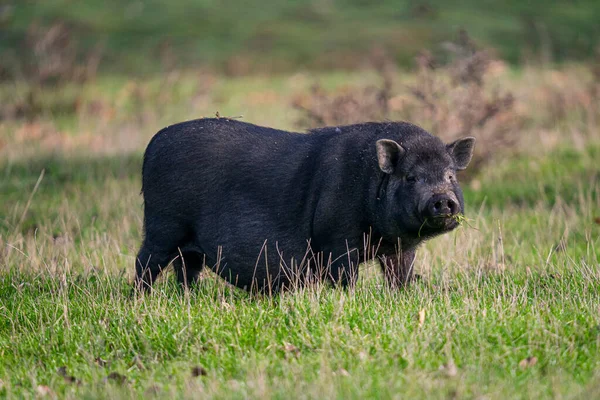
x=44 y=390
x=198 y=371
x=449 y=369
x=116 y=377
x=597 y=220
x=343 y=372
x=291 y=349
x=62 y=371
x=528 y=362
x=421 y=317
x=101 y=362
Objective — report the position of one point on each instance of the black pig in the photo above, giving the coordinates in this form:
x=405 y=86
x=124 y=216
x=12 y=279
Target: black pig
x=268 y=209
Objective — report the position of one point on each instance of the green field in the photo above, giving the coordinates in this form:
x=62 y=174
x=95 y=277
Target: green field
x=268 y=36
x=508 y=306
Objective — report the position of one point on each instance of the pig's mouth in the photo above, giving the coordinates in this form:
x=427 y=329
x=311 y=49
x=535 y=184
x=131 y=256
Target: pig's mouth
x=446 y=222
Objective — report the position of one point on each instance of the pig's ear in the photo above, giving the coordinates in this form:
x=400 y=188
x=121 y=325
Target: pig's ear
x=462 y=151
x=389 y=154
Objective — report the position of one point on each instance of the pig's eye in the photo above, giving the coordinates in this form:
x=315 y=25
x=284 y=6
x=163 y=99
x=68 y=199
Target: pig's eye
x=450 y=177
x=411 y=178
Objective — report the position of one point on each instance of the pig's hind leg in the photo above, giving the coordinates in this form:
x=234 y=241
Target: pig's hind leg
x=188 y=267
x=159 y=248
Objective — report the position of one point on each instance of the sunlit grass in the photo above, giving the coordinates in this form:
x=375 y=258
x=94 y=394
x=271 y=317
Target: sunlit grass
x=507 y=307
x=521 y=281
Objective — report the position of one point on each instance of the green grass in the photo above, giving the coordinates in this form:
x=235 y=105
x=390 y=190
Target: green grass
x=562 y=177
x=273 y=35
x=329 y=343
x=519 y=280
x=493 y=294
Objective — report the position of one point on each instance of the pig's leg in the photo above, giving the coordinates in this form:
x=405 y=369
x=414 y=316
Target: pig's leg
x=344 y=270
x=188 y=269
x=149 y=263
x=158 y=250
x=398 y=268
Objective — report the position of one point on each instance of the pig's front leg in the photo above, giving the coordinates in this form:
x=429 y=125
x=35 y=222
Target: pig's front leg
x=398 y=268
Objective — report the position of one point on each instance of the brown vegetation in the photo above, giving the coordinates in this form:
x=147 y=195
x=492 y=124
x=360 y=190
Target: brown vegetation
x=52 y=56
x=451 y=99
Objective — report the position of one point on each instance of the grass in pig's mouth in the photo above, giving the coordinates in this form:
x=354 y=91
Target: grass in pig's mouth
x=462 y=220
x=459 y=218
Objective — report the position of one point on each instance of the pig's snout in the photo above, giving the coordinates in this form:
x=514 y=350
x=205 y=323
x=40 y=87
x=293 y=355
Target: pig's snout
x=442 y=205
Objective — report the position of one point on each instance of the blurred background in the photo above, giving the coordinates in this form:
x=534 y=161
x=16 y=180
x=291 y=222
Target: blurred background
x=85 y=84
x=239 y=37
x=103 y=76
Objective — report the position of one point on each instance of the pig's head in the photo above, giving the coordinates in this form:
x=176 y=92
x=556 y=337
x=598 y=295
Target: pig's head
x=418 y=194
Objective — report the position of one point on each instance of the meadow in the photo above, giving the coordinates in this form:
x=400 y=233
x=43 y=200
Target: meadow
x=508 y=305
x=238 y=37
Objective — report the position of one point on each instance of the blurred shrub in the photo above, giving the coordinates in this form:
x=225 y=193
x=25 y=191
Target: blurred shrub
x=52 y=56
x=450 y=97
x=349 y=105
x=49 y=59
